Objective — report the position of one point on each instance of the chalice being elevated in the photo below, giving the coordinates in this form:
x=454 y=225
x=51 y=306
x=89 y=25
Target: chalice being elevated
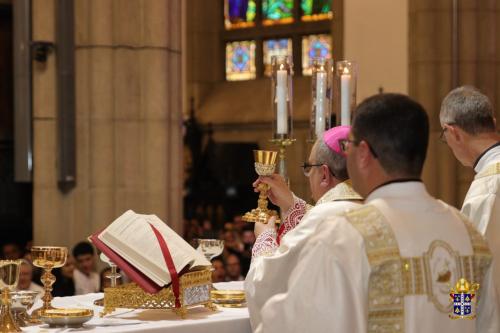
x=9 y=277
x=265 y=163
x=48 y=257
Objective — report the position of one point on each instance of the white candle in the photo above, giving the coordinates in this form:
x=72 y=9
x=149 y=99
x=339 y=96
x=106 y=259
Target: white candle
x=345 y=97
x=320 y=103
x=281 y=99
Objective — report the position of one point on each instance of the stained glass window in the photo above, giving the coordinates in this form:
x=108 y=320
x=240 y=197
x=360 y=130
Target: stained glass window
x=275 y=47
x=239 y=13
x=315 y=10
x=314 y=46
x=240 y=60
x=277 y=12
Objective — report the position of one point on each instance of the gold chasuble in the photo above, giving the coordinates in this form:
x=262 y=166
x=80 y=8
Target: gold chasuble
x=393 y=277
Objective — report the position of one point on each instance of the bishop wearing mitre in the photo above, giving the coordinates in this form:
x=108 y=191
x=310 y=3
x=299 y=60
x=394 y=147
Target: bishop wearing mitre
x=274 y=254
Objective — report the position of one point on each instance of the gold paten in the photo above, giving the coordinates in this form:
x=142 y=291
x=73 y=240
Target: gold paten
x=265 y=163
x=194 y=290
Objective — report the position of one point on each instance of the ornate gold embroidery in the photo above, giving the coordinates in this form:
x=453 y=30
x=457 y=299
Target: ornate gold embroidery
x=491 y=170
x=393 y=277
x=342 y=191
x=385 y=288
x=482 y=256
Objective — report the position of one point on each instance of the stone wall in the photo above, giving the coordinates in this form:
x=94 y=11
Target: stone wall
x=128 y=118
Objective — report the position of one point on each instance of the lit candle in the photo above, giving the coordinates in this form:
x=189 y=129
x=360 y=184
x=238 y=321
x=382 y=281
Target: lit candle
x=320 y=103
x=281 y=98
x=345 y=99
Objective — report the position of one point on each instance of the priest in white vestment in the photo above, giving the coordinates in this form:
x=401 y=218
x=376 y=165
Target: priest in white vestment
x=468 y=126
x=387 y=266
x=274 y=254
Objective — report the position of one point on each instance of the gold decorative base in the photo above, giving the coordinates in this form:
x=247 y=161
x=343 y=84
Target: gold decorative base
x=261 y=216
x=194 y=290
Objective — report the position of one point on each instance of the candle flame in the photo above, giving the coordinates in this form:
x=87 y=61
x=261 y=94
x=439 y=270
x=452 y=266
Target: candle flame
x=346 y=70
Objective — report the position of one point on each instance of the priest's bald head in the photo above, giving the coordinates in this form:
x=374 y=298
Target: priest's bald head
x=388 y=141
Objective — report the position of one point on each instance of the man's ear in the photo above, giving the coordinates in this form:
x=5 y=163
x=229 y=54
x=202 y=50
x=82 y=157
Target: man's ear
x=364 y=154
x=325 y=175
x=456 y=132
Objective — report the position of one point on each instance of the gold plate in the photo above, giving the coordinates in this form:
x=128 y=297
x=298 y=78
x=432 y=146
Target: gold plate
x=228 y=295
x=66 y=317
x=232 y=305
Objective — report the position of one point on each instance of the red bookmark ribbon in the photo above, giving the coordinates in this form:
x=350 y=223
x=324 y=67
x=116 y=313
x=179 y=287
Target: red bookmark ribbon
x=170 y=265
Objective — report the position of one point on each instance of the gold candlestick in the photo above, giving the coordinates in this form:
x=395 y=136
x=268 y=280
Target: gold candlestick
x=9 y=277
x=282 y=143
x=265 y=163
x=48 y=257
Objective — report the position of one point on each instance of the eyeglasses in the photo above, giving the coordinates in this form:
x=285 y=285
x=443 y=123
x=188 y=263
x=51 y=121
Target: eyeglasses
x=442 y=137
x=344 y=145
x=306 y=167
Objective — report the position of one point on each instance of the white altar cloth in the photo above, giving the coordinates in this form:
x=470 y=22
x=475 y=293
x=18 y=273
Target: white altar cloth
x=198 y=319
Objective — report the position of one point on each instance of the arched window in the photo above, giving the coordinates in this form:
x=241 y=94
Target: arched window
x=255 y=30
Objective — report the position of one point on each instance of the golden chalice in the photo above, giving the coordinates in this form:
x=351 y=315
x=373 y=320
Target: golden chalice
x=48 y=257
x=9 y=276
x=265 y=163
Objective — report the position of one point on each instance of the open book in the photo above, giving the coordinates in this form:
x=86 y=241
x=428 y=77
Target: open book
x=132 y=245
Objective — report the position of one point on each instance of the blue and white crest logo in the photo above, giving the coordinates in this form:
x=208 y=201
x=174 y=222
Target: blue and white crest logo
x=463 y=296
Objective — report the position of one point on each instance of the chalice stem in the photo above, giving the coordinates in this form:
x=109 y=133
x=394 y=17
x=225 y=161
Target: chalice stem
x=262 y=202
x=48 y=280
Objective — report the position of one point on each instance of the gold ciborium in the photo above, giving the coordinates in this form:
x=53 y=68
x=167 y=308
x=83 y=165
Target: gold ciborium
x=48 y=257
x=265 y=163
x=9 y=276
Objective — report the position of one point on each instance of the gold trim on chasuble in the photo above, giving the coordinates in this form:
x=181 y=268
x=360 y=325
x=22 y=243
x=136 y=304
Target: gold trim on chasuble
x=491 y=170
x=385 y=288
x=394 y=277
x=342 y=191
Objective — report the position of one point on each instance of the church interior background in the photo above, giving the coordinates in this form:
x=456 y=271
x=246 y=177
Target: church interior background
x=170 y=97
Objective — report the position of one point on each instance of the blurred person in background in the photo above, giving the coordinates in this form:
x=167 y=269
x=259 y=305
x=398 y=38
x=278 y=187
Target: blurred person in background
x=233 y=268
x=248 y=239
x=26 y=278
x=64 y=285
x=85 y=277
x=12 y=251
x=219 y=272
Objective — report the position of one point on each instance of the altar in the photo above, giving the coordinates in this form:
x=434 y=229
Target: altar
x=198 y=319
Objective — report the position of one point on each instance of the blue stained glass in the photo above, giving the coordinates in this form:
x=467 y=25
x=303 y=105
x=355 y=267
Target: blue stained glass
x=315 y=46
x=275 y=47
x=239 y=13
x=240 y=60
x=318 y=49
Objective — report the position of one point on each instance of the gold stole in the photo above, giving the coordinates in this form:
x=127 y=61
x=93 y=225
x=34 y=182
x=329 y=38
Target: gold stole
x=393 y=277
x=493 y=169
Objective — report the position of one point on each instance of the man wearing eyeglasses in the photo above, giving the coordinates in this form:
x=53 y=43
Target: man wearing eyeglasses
x=274 y=254
x=468 y=127
x=389 y=265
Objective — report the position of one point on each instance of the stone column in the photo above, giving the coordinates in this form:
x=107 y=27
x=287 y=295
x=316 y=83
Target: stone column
x=128 y=118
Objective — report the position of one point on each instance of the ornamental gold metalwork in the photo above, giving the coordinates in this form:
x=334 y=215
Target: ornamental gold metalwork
x=194 y=290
